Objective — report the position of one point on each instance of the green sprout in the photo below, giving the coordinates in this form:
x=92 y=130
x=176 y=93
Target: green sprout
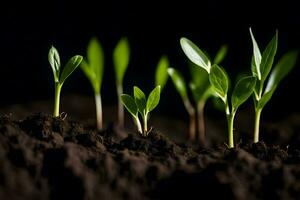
x=219 y=81
x=161 y=74
x=139 y=104
x=93 y=70
x=60 y=75
x=261 y=66
x=121 y=57
x=201 y=90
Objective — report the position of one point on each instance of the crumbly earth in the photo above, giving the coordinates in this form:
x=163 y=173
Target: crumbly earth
x=42 y=157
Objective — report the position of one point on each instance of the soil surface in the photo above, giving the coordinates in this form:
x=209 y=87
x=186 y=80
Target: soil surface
x=42 y=157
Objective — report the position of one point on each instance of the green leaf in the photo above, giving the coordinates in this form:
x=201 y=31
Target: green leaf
x=54 y=61
x=178 y=82
x=265 y=99
x=129 y=104
x=242 y=91
x=283 y=68
x=221 y=54
x=72 y=64
x=268 y=57
x=161 y=75
x=256 y=56
x=85 y=67
x=153 y=99
x=95 y=58
x=140 y=99
x=195 y=54
x=121 y=56
x=219 y=81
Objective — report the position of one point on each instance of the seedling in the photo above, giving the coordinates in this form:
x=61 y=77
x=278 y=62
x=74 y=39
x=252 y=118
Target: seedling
x=161 y=74
x=121 y=57
x=60 y=75
x=219 y=81
x=261 y=66
x=139 y=104
x=201 y=91
x=93 y=69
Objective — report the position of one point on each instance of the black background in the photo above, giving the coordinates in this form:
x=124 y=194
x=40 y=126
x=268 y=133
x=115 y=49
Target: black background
x=28 y=29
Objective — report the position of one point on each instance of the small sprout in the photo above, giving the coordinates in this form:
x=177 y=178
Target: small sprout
x=93 y=69
x=219 y=82
x=121 y=57
x=161 y=74
x=60 y=75
x=139 y=104
x=261 y=68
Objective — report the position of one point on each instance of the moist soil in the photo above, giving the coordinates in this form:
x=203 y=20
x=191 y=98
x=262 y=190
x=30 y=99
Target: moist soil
x=42 y=157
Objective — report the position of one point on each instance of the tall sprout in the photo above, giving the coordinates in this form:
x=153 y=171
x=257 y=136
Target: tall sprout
x=60 y=75
x=121 y=57
x=93 y=67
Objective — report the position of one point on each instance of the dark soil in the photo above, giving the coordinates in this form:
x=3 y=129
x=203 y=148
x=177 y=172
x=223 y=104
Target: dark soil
x=49 y=158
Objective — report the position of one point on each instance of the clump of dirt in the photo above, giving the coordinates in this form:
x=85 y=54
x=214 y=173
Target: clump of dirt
x=42 y=157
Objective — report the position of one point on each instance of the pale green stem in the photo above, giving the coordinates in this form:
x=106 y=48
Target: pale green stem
x=138 y=124
x=230 y=120
x=120 y=106
x=145 y=118
x=98 y=111
x=256 y=125
x=57 y=91
x=192 y=123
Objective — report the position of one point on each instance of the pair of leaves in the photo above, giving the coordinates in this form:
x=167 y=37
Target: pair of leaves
x=261 y=64
x=94 y=65
x=241 y=92
x=161 y=74
x=140 y=103
x=121 y=57
x=282 y=69
x=54 y=60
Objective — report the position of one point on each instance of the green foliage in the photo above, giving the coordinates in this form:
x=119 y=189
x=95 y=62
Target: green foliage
x=140 y=104
x=221 y=54
x=94 y=64
x=219 y=81
x=161 y=74
x=121 y=57
x=179 y=83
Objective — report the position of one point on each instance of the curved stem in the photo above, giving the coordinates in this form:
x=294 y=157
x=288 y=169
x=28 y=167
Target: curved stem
x=256 y=125
x=57 y=91
x=230 y=120
x=98 y=111
x=192 y=123
x=138 y=124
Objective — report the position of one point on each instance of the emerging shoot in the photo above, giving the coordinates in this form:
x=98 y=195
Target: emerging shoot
x=139 y=104
x=261 y=66
x=161 y=74
x=93 y=69
x=121 y=57
x=60 y=75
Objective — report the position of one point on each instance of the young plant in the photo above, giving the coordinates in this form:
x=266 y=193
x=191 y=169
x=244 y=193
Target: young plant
x=121 y=57
x=139 y=104
x=219 y=81
x=201 y=91
x=60 y=75
x=261 y=66
x=93 y=70
x=161 y=74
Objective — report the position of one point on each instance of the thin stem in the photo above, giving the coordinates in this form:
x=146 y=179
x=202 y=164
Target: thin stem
x=192 y=115
x=120 y=106
x=145 y=118
x=57 y=91
x=201 y=122
x=256 y=125
x=138 y=124
x=98 y=111
x=230 y=120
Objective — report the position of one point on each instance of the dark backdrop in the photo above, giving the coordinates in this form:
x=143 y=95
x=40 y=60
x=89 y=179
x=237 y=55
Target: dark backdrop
x=28 y=29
